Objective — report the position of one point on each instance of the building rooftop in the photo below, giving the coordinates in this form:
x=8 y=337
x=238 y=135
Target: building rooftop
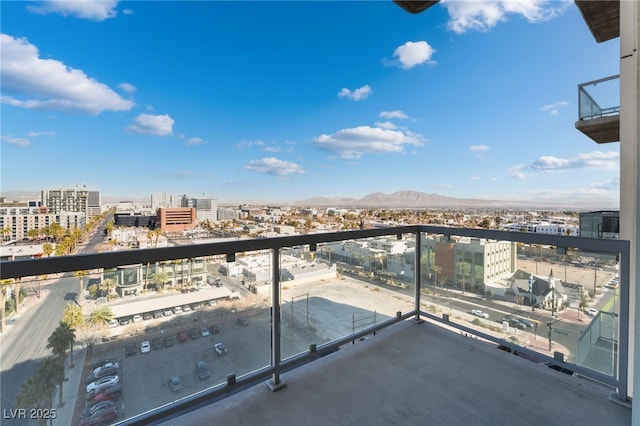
x=411 y=374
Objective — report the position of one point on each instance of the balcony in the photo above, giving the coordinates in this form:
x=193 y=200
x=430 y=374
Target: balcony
x=600 y=123
x=348 y=332
x=602 y=17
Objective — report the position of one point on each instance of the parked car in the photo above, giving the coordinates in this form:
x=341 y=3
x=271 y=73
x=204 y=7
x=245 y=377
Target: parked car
x=110 y=393
x=113 y=323
x=175 y=384
x=147 y=316
x=103 y=362
x=169 y=341
x=93 y=407
x=110 y=364
x=220 y=348
x=101 y=372
x=212 y=302
x=204 y=331
x=158 y=314
x=186 y=308
x=145 y=347
x=102 y=383
x=202 y=370
x=592 y=312
x=526 y=322
x=100 y=417
x=167 y=312
x=182 y=336
x=125 y=321
x=479 y=313
x=156 y=344
x=130 y=349
x=137 y=318
x=194 y=333
x=177 y=310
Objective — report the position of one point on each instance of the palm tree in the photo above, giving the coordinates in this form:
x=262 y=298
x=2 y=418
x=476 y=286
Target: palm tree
x=157 y=232
x=30 y=393
x=72 y=315
x=80 y=275
x=109 y=286
x=4 y=284
x=100 y=317
x=16 y=293
x=50 y=374
x=47 y=249
x=159 y=279
x=62 y=338
x=150 y=235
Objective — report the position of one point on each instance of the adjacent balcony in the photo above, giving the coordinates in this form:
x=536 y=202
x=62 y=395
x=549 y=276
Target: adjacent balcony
x=599 y=109
x=404 y=325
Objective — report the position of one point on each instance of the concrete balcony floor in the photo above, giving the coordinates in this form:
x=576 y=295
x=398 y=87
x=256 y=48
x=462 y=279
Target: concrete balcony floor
x=418 y=374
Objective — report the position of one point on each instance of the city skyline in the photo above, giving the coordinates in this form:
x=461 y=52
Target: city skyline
x=469 y=101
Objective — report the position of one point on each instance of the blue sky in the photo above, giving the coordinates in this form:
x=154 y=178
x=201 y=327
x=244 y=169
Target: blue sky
x=278 y=101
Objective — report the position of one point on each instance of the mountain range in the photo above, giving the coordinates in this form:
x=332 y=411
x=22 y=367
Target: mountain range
x=398 y=199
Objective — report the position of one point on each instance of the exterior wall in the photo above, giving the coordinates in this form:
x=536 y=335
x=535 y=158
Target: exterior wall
x=22 y=219
x=177 y=219
x=70 y=200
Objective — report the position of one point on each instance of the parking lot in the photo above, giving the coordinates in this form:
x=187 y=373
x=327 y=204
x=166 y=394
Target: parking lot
x=244 y=327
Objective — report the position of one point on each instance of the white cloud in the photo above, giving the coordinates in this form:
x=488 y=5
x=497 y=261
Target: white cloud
x=194 y=141
x=48 y=84
x=517 y=172
x=274 y=167
x=272 y=148
x=355 y=95
x=129 y=88
x=385 y=125
x=474 y=178
x=16 y=141
x=412 y=53
x=159 y=125
x=595 y=159
x=553 y=108
x=482 y=15
x=393 y=114
x=25 y=141
x=249 y=144
x=94 y=10
x=355 y=142
x=478 y=148
x=597 y=194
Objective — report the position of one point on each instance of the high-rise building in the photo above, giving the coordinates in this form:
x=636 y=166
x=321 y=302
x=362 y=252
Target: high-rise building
x=71 y=200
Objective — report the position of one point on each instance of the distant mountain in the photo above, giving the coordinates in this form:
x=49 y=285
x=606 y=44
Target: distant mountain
x=412 y=199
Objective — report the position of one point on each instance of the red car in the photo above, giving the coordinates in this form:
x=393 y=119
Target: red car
x=100 y=417
x=112 y=393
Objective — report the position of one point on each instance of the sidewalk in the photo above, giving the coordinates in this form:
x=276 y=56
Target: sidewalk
x=71 y=389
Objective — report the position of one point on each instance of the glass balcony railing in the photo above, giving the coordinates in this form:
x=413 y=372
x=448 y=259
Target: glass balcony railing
x=599 y=98
x=249 y=310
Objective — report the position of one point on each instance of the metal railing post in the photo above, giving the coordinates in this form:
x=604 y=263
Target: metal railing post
x=623 y=327
x=418 y=276
x=275 y=383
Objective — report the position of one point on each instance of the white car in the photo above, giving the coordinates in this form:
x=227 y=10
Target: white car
x=137 y=318
x=145 y=347
x=177 y=310
x=204 y=331
x=220 y=348
x=592 y=312
x=479 y=313
x=94 y=387
x=113 y=323
x=105 y=366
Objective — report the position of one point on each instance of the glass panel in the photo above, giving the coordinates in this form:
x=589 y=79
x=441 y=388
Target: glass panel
x=343 y=287
x=599 y=99
x=546 y=298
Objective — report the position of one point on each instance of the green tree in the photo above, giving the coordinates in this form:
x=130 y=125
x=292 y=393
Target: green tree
x=108 y=286
x=100 y=317
x=4 y=285
x=47 y=249
x=72 y=315
x=60 y=340
x=159 y=279
x=30 y=394
x=157 y=232
x=50 y=374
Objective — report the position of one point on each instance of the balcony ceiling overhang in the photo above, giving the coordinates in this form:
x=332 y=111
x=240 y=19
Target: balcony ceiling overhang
x=602 y=18
x=602 y=129
x=415 y=6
